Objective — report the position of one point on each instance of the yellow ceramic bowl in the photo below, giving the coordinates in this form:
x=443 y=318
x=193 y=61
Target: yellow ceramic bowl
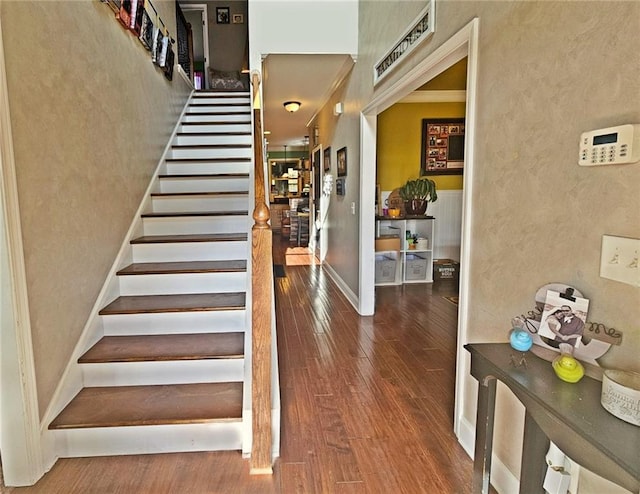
x=394 y=212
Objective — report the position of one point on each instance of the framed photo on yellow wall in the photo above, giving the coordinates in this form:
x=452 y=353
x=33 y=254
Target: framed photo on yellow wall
x=442 y=150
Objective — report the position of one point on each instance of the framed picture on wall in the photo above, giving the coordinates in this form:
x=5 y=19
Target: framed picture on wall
x=442 y=150
x=342 y=162
x=327 y=159
x=222 y=15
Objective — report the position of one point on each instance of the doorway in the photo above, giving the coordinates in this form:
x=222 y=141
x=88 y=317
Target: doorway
x=462 y=44
x=196 y=15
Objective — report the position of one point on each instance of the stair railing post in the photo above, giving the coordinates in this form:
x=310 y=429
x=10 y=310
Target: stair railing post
x=262 y=293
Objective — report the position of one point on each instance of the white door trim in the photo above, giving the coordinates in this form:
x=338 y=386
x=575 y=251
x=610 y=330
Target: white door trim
x=462 y=44
x=20 y=443
x=202 y=7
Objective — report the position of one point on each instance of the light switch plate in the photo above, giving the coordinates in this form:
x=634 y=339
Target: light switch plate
x=619 y=259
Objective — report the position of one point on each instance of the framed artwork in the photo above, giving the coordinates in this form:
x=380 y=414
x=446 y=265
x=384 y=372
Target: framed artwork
x=563 y=320
x=442 y=150
x=327 y=159
x=342 y=162
x=238 y=19
x=341 y=186
x=222 y=15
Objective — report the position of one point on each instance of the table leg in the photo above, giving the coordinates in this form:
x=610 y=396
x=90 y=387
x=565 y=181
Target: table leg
x=484 y=435
x=534 y=450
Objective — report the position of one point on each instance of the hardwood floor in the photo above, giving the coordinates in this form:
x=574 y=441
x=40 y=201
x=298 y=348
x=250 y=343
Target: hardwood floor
x=367 y=404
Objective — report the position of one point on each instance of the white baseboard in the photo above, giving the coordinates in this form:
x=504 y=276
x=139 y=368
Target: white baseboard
x=342 y=286
x=502 y=480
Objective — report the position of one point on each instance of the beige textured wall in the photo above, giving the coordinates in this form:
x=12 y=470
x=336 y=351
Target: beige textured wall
x=90 y=118
x=548 y=71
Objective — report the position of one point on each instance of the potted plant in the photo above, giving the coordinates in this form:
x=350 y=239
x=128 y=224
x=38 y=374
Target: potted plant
x=416 y=194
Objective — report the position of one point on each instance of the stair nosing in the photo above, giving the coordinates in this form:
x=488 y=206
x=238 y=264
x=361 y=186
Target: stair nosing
x=68 y=418
x=170 y=305
x=108 y=348
x=147 y=268
x=209 y=134
x=205 y=194
x=202 y=176
x=210 y=146
x=181 y=214
x=189 y=238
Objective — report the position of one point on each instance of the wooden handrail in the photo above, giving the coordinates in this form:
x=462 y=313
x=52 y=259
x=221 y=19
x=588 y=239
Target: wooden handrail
x=262 y=302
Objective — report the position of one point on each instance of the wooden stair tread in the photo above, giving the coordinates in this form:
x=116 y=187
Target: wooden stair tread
x=194 y=213
x=206 y=160
x=193 y=302
x=184 y=267
x=165 y=347
x=200 y=194
x=218 y=113
x=152 y=405
x=204 y=122
x=222 y=103
x=205 y=134
x=209 y=146
x=194 y=237
x=201 y=176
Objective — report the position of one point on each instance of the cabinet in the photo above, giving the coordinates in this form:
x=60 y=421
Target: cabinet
x=414 y=261
x=285 y=179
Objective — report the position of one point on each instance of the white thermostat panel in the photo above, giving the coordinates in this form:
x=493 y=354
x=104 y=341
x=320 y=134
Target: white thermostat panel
x=611 y=146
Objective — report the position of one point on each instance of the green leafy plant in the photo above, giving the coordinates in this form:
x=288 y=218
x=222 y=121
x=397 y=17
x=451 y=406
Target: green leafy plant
x=419 y=189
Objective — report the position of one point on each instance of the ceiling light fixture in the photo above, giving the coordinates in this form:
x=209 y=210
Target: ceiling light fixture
x=292 y=106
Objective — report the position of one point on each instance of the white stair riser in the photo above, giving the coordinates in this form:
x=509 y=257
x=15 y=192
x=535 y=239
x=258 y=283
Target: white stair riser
x=195 y=225
x=167 y=284
x=235 y=139
x=215 y=128
x=222 y=184
x=214 y=118
x=229 y=202
x=213 y=100
x=150 y=439
x=155 y=373
x=190 y=251
x=225 y=108
x=215 y=321
x=205 y=153
x=186 y=168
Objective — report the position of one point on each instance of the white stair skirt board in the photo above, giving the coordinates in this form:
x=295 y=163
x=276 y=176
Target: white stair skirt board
x=150 y=439
x=165 y=372
x=215 y=128
x=204 y=184
x=205 y=167
x=215 y=321
x=180 y=226
x=190 y=251
x=168 y=284
x=225 y=202
x=198 y=117
x=213 y=139
x=206 y=152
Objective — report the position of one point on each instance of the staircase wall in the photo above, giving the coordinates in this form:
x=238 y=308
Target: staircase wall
x=90 y=118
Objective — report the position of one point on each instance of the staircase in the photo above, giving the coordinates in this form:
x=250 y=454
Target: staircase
x=167 y=372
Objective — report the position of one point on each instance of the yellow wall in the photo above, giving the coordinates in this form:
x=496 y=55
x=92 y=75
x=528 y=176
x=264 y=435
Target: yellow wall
x=400 y=139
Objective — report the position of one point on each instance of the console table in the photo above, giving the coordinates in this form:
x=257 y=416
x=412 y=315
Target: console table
x=570 y=415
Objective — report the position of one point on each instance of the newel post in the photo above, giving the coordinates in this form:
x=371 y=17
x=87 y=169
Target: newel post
x=262 y=293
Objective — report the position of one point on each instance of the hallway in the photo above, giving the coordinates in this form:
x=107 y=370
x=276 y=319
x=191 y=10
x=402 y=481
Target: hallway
x=367 y=404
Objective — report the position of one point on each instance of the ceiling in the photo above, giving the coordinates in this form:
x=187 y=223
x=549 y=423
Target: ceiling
x=312 y=79
x=309 y=79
